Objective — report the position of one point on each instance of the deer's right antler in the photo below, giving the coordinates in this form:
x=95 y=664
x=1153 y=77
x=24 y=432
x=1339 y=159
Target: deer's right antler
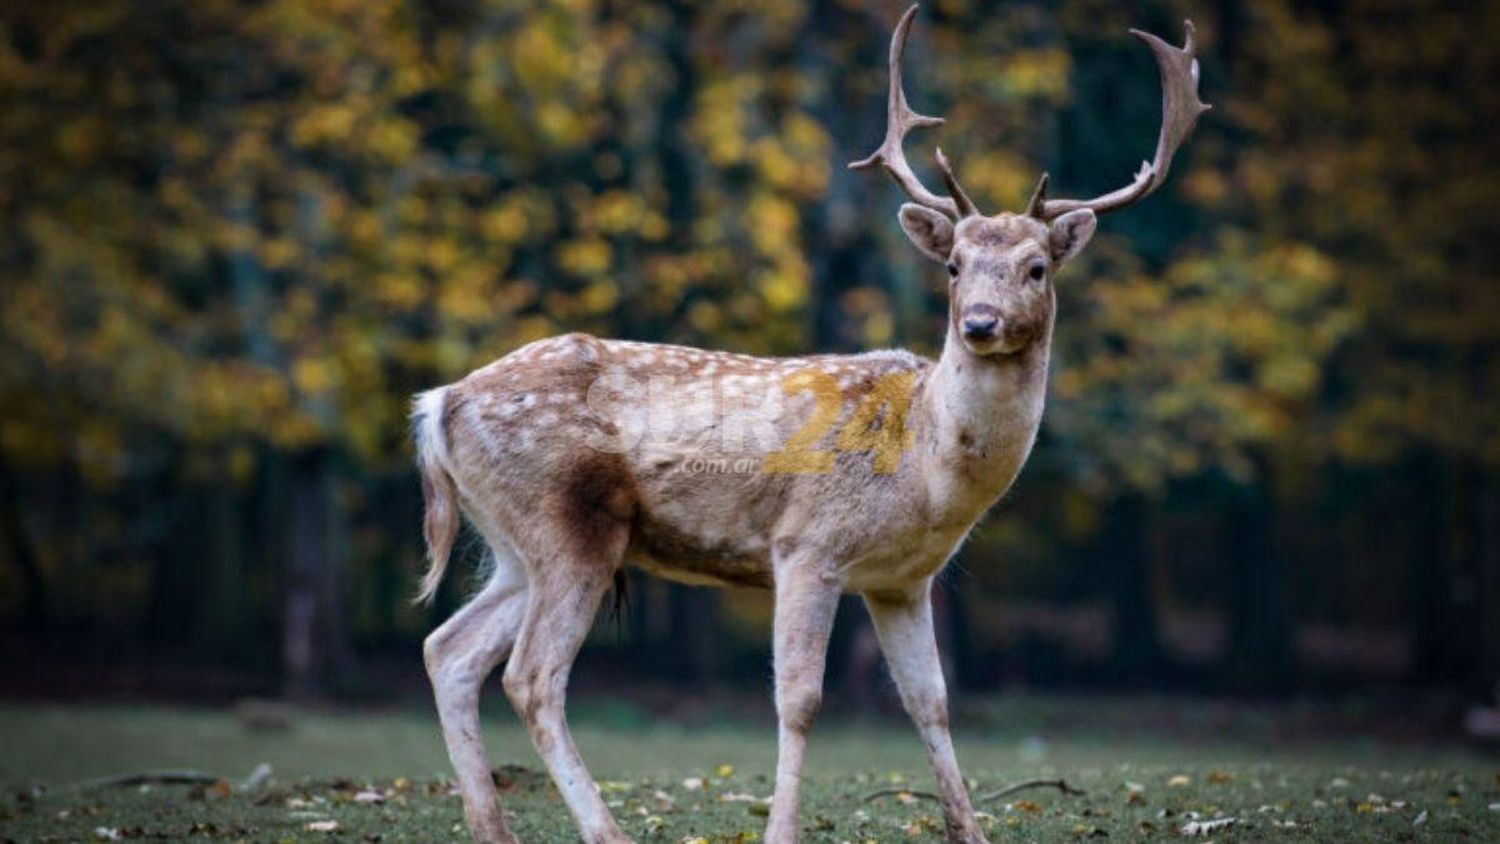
x=900 y=119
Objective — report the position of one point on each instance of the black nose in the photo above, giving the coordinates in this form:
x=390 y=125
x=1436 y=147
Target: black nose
x=980 y=327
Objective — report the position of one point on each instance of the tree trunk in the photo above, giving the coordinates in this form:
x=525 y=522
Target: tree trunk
x=1260 y=643
x=695 y=638
x=225 y=596
x=1445 y=579
x=315 y=648
x=22 y=554
x=1137 y=650
x=1487 y=512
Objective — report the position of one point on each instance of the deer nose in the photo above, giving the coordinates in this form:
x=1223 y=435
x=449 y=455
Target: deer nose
x=980 y=327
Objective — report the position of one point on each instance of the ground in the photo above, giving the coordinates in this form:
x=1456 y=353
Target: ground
x=341 y=776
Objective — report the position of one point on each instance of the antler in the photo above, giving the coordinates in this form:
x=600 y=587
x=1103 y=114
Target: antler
x=900 y=119
x=1180 y=108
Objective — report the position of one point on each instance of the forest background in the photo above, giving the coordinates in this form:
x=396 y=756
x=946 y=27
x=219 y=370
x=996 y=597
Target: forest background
x=235 y=237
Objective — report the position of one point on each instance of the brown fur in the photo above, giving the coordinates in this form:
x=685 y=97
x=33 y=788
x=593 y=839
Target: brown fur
x=575 y=456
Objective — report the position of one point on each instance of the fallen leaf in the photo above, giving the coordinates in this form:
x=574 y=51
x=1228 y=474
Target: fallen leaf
x=694 y=783
x=1030 y=807
x=1219 y=777
x=107 y=833
x=1180 y=780
x=1193 y=829
x=724 y=771
x=369 y=795
x=922 y=824
x=323 y=826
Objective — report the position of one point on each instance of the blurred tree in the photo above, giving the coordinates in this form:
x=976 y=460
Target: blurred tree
x=236 y=237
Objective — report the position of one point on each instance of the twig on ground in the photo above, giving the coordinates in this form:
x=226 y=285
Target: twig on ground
x=257 y=778
x=150 y=778
x=895 y=791
x=1060 y=784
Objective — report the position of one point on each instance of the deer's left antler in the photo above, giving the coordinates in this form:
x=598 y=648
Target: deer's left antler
x=1180 y=108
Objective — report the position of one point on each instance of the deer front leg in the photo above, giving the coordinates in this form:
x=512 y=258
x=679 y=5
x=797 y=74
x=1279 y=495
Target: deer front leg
x=903 y=621
x=806 y=596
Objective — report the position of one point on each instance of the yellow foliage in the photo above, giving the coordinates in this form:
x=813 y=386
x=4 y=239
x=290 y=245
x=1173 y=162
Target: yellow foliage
x=1038 y=73
x=313 y=375
x=600 y=296
x=584 y=256
x=783 y=289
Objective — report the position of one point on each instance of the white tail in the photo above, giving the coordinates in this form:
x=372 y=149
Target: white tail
x=440 y=498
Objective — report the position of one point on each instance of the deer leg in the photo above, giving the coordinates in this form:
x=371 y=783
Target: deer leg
x=805 y=602
x=903 y=621
x=561 y=607
x=459 y=656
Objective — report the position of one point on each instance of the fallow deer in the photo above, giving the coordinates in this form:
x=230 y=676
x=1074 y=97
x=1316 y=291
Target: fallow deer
x=811 y=477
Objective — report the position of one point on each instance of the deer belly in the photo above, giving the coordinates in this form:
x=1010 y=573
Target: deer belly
x=702 y=548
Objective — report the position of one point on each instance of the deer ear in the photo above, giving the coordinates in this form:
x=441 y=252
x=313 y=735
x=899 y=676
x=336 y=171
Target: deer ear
x=928 y=230
x=1069 y=233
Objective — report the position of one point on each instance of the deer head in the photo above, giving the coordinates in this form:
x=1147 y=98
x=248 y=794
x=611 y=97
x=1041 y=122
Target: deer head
x=1001 y=267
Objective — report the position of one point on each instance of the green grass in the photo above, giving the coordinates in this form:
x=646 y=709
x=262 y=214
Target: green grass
x=1149 y=768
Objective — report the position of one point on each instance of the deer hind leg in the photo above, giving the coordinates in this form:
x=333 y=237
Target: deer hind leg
x=903 y=621
x=566 y=588
x=459 y=656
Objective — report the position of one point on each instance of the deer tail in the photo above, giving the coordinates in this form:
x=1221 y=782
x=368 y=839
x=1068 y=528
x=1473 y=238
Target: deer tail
x=440 y=495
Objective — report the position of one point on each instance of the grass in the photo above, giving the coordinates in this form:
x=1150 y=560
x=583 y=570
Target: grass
x=1150 y=768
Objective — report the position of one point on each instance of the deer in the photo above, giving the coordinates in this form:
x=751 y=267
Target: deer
x=573 y=457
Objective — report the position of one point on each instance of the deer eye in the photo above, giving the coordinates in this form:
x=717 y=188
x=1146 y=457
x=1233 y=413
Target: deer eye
x=953 y=269
x=1036 y=272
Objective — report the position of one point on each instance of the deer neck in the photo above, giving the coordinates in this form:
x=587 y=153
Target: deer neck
x=983 y=415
